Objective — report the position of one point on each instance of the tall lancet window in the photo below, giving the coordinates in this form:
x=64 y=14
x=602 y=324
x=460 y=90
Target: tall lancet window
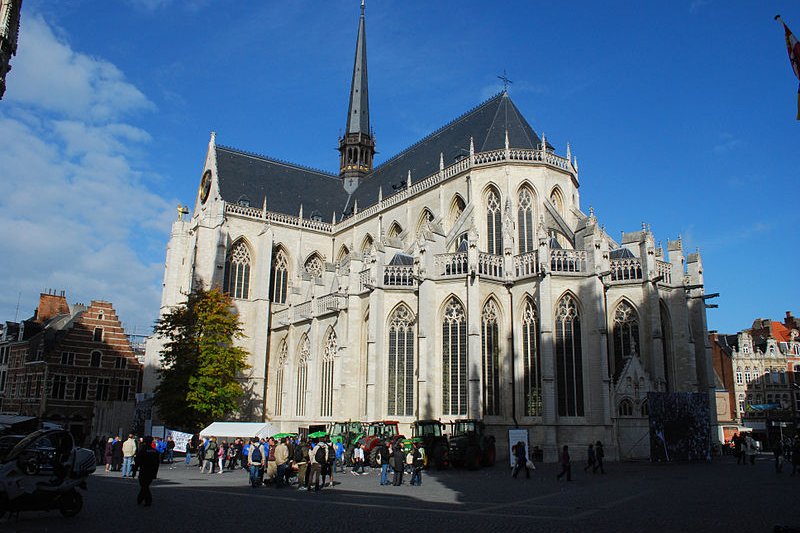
x=237 y=271
x=490 y=359
x=326 y=385
x=569 y=358
x=283 y=354
x=401 y=363
x=532 y=373
x=454 y=359
x=626 y=336
x=525 y=218
x=303 y=356
x=279 y=281
x=494 y=224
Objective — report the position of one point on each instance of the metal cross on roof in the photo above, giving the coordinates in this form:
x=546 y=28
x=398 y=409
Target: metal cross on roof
x=505 y=79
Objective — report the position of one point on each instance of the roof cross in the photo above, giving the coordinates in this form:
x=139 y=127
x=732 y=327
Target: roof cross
x=506 y=81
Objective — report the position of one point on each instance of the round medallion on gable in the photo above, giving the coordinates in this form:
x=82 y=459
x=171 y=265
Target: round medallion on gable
x=205 y=186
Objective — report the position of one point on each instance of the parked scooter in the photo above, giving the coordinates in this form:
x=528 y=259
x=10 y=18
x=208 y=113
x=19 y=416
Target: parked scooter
x=43 y=472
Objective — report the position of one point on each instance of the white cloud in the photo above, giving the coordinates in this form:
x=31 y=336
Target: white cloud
x=76 y=213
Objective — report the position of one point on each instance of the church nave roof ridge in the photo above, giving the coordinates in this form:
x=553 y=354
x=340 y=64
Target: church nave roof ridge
x=277 y=160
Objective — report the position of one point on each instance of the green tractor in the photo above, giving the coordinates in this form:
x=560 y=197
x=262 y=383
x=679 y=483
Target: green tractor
x=349 y=433
x=431 y=434
x=470 y=446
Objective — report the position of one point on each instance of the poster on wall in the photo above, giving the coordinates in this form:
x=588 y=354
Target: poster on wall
x=515 y=436
x=680 y=428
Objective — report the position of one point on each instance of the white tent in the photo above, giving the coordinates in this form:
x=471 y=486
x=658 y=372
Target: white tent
x=239 y=429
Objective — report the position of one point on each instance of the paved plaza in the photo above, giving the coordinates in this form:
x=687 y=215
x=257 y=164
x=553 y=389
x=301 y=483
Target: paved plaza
x=721 y=496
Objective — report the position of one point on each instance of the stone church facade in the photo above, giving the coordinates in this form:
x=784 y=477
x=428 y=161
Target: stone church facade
x=459 y=278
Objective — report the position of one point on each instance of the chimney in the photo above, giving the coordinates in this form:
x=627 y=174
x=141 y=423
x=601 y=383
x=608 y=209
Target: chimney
x=51 y=303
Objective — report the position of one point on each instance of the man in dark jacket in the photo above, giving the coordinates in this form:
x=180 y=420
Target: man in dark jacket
x=398 y=463
x=383 y=459
x=148 y=461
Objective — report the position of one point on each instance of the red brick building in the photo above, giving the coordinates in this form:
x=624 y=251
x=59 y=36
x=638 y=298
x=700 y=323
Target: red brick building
x=71 y=365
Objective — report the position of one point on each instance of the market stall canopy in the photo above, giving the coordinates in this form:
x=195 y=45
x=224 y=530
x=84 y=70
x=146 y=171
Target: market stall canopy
x=238 y=429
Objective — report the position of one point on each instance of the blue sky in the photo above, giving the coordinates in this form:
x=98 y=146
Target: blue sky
x=681 y=114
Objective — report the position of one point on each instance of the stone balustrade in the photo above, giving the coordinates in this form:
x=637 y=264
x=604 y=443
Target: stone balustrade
x=398 y=276
x=664 y=269
x=526 y=265
x=451 y=265
x=568 y=261
x=490 y=266
x=626 y=270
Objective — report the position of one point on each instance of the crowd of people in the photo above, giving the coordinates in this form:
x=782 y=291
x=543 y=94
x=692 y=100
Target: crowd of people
x=784 y=450
x=307 y=464
x=119 y=455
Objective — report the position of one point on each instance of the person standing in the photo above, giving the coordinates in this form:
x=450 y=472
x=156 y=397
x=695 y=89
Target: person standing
x=750 y=449
x=301 y=460
x=148 y=460
x=210 y=455
x=170 y=454
x=116 y=454
x=191 y=448
x=777 y=451
x=417 y=464
x=566 y=464
x=599 y=454
x=398 y=463
x=128 y=452
x=383 y=459
x=109 y=453
x=520 y=460
x=591 y=459
x=318 y=456
x=358 y=460
x=281 y=463
x=339 y=447
x=255 y=461
x=329 y=467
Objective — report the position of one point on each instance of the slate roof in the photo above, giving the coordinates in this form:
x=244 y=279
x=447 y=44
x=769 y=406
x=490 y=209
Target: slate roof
x=287 y=186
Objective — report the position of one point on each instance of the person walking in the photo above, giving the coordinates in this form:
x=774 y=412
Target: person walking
x=128 y=452
x=109 y=453
x=520 y=460
x=599 y=454
x=255 y=462
x=329 y=467
x=222 y=453
x=777 y=451
x=750 y=449
x=566 y=464
x=591 y=459
x=738 y=445
x=148 y=460
x=382 y=456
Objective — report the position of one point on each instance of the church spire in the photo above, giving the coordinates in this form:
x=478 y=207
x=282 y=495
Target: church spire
x=357 y=147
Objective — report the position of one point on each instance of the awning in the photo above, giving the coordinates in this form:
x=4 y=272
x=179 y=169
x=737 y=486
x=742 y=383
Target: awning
x=239 y=429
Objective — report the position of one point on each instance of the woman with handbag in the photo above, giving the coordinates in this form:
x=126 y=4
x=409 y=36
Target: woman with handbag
x=521 y=457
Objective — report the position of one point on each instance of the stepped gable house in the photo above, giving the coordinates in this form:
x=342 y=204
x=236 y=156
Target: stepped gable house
x=459 y=278
x=70 y=365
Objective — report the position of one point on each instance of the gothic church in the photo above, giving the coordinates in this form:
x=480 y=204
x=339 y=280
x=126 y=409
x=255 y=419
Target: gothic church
x=459 y=278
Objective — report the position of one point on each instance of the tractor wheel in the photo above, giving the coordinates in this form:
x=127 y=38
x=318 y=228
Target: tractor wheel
x=490 y=455
x=439 y=454
x=71 y=504
x=472 y=458
x=373 y=457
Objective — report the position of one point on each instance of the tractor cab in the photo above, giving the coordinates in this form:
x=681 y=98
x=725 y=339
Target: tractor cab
x=470 y=446
x=377 y=432
x=431 y=434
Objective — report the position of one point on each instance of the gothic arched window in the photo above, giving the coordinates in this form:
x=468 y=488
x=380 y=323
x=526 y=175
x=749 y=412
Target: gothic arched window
x=283 y=354
x=454 y=359
x=425 y=218
x=326 y=382
x=303 y=356
x=401 y=363
x=625 y=408
x=367 y=244
x=626 y=335
x=531 y=360
x=394 y=230
x=525 y=220
x=490 y=358
x=569 y=358
x=557 y=199
x=457 y=207
x=237 y=271
x=343 y=253
x=314 y=266
x=644 y=408
x=279 y=280
x=494 y=224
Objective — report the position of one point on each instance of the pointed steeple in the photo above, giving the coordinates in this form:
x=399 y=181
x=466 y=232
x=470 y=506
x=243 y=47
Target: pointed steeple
x=357 y=147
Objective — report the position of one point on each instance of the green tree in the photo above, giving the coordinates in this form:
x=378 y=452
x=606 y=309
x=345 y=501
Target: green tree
x=201 y=364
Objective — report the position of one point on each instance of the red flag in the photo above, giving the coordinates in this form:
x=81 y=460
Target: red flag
x=793 y=48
